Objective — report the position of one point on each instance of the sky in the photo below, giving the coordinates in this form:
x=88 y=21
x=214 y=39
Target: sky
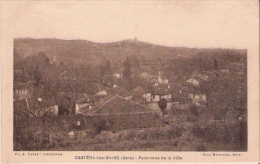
x=201 y=23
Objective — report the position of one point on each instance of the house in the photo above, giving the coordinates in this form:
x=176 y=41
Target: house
x=118 y=113
x=204 y=77
x=102 y=93
x=161 y=91
x=119 y=73
x=136 y=71
x=139 y=95
x=88 y=102
x=225 y=70
x=85 y=103
x=144 y=76
x=22 y=90
x=36 y=107
x=181 y=96
x=154 y=79
x=122 y=92
x=180 y=100
x=197 y=97
x=195 y=81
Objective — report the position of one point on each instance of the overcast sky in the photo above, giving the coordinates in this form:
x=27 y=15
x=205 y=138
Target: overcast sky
x=207 y=24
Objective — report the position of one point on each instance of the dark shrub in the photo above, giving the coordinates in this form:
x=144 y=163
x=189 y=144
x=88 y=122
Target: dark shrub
x=201 y=148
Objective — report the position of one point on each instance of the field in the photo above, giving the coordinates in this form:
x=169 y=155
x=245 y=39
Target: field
x=168 y=138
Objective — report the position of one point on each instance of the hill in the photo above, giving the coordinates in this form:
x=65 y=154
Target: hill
x=92 y=53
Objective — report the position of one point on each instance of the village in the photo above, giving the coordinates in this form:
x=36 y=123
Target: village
x=140 y=101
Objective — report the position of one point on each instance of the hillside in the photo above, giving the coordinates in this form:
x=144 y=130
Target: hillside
x=96 y=53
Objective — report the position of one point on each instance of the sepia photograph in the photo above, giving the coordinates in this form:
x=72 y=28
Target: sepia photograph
x=128 y=95
x=134 y=76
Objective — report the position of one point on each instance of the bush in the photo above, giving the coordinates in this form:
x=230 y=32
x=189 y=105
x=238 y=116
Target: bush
x=201 y=147
x=225 y=133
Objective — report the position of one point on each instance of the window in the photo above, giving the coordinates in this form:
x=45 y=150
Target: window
x=153 y=96
x=78 y=123
x=71 y=134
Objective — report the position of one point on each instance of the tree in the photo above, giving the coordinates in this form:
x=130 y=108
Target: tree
x=107 y=78
x=134 y=61
x=127 y=72
x=163 y=104
x=194 y=110
x=215 y=64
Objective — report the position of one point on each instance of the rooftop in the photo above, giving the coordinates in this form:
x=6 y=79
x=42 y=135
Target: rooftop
x=119 y=105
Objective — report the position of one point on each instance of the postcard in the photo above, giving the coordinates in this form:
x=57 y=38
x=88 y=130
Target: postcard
x=130 y=81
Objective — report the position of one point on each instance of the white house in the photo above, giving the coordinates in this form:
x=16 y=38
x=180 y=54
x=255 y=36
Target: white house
x=144 y=75
x=161 y=91
x=225 y=70
x=147 y=96
x=118 y=73
x=37 y=106
x=193 y=81
x=198 y=97
x=83 y=103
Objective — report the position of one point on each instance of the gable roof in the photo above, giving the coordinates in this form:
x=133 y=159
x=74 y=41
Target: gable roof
x=182 y=95
x=161 y=90
x=136 y=71
x=139 y=99
x=119 y=105
x=120 y=70
x=138 y=91
x=199 y=76
x=83 y=100
x=121 y=91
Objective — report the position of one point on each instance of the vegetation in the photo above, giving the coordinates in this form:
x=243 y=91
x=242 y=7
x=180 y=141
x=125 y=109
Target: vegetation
x=162 y=104
x=219 y=125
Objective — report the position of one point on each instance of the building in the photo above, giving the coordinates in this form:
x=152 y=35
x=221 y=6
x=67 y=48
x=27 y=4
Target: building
x=37 y=107
x=118 y=113
x=198 y=97
x=85 y=103
x=181 y=96
x=195 y=81
x=120 y=91
x=118 y=73
x=139 y=95
x=161 y=91
x=197 y=78
x=22 y=90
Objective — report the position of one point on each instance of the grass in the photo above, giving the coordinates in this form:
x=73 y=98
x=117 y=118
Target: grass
x=154 y=139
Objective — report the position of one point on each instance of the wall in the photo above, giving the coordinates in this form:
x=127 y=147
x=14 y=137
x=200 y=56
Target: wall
x=156 y=98
x=22 y=93
x=148 y=97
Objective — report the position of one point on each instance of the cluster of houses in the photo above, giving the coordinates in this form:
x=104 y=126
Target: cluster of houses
x=87 y=96
x=93 y=106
